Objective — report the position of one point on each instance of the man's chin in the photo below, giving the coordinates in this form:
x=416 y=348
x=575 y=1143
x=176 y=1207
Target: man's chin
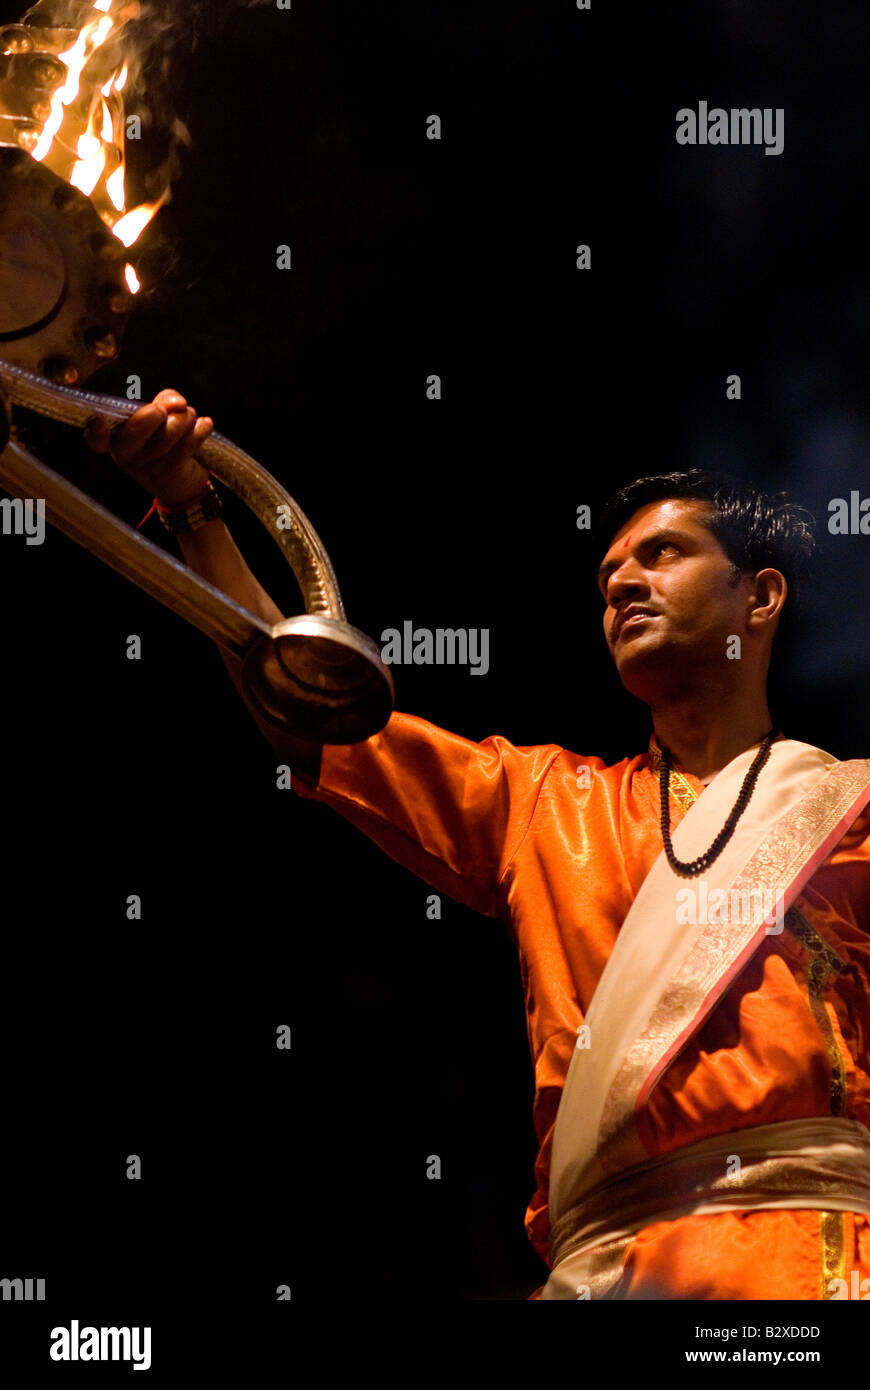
x=642 y=664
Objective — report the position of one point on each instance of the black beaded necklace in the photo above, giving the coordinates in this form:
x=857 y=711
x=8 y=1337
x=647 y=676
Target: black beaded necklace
x=703 y=862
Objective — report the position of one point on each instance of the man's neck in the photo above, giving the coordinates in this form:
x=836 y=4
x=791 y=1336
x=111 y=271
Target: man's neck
x=703 y=736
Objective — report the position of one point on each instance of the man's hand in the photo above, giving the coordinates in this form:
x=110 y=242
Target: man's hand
x=157 y=447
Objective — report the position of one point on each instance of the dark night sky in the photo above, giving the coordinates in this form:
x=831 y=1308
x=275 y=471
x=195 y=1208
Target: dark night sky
x=410 y=257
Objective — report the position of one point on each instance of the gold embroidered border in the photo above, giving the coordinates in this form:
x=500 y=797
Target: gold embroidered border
x=824 y=962
x=832 y=1230
x=791 y=842
x=679 y=786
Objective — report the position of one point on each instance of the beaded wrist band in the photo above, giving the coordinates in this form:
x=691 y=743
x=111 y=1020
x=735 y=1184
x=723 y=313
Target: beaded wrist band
x=189 y=517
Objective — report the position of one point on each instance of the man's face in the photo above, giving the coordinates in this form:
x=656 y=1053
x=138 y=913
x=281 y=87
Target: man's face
x=670 y=605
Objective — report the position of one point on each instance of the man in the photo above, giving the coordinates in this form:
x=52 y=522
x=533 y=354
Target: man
x=693 y=923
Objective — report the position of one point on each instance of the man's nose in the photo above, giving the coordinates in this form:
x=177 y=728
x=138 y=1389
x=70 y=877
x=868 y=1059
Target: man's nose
x=629 y=581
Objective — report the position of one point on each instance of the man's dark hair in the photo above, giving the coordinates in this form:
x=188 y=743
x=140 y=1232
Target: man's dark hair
x=756 y=530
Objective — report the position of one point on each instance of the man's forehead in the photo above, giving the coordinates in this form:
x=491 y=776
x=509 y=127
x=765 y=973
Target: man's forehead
x=662 y=515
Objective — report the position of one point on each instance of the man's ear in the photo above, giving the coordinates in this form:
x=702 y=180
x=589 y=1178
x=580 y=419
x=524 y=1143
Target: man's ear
x=768 y=591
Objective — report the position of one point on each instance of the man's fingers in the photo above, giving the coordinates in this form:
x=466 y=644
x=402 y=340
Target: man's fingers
x=151 y=434
x=202 y=429
x=170 y=400
x=132 y=436
x=162 y=434
x=101 y=435
x=97 y=434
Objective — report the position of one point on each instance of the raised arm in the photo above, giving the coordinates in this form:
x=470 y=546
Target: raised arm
x=157 y=446
x=450 y=810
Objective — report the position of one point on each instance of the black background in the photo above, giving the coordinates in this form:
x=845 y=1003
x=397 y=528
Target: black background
x=410 y=257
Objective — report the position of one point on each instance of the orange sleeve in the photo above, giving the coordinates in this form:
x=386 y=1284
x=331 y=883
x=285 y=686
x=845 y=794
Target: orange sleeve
x=449 y=810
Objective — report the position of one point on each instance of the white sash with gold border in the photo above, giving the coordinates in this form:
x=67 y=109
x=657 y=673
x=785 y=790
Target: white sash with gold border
x=665 y=976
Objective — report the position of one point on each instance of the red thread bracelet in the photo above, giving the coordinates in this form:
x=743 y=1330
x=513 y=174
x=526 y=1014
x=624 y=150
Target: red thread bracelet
x=157 y=506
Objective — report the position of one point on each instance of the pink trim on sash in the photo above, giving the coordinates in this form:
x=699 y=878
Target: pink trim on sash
x=798 y=883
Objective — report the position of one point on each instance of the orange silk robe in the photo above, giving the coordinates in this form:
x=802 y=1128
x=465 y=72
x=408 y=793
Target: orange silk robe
x=515 y=833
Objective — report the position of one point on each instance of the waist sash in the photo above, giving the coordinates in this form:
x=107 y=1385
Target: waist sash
x=814 y=1164
x=665 y=976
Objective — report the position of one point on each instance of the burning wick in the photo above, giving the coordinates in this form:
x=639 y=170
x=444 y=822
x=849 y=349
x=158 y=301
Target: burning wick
x=98 y=167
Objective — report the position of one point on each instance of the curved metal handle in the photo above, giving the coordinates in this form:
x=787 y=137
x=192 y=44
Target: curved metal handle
x=314 y=675
x=300 y=544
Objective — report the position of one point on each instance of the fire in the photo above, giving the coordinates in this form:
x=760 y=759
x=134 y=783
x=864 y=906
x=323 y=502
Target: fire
x=115 y=187
x=90 y=164
x=82 y=138
x=131 y=226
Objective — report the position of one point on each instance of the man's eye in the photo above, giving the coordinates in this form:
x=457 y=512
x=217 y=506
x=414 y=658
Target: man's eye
x=665 y=545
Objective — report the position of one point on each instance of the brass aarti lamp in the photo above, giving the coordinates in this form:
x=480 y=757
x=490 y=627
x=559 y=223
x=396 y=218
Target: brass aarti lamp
x=67 y=286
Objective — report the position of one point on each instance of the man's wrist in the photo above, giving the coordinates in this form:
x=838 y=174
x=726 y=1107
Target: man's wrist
x=192 y=515
x=184 y=492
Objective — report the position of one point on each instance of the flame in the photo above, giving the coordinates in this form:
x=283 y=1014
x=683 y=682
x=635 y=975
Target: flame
x=131 y=226
x=91 y=162
x=132 y=279
x=115 y=188
x=98 y=165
